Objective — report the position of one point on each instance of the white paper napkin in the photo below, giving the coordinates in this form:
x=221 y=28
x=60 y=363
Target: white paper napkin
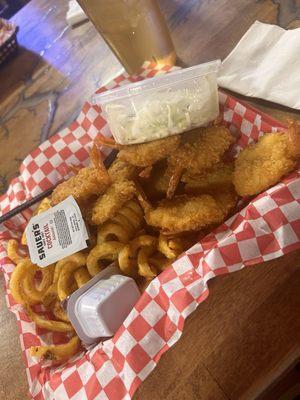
x=75 y=13
x=265 y=64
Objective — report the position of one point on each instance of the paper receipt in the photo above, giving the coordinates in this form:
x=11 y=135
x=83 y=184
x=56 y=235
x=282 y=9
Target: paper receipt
x=56 y=233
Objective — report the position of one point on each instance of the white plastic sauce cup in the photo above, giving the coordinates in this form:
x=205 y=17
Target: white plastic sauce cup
x=98 y=308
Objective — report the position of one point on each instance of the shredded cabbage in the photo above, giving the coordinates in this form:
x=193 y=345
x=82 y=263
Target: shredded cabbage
x=162 y=114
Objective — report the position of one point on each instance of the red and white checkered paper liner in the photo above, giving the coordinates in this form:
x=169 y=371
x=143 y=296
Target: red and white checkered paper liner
x=266 y=229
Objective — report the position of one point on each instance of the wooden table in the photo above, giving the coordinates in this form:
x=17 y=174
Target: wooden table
x=248 y=331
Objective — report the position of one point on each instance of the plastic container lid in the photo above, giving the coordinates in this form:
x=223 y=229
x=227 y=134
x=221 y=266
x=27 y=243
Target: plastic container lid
x=161 y=106
x=98 y=308
x=156 y=82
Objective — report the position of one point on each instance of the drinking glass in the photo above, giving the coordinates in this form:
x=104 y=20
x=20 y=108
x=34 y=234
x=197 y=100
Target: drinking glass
x=135 y=30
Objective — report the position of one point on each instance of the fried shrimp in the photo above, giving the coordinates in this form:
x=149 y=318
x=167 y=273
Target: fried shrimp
x=204 y=147
x=89 y=181
x=156 y=185
x=112 y=200
x=143 y=154
x=263 y=164
x=184 y=213
x=226 y=201
x=120 y=170
x=216 y=179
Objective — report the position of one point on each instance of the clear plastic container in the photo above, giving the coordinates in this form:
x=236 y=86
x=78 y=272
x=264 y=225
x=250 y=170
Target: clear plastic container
x=162 y=106
x=97 y=309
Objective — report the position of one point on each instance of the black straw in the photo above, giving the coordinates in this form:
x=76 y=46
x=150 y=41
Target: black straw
x=107 y=162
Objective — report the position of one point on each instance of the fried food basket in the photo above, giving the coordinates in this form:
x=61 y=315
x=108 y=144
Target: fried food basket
x=267 y=228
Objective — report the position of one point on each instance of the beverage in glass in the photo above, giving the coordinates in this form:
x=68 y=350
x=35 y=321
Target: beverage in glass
x=135 y=30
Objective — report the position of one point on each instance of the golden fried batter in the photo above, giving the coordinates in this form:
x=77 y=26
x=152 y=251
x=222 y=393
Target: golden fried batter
x=156 y=186
x=226 y=201
x=112 y=200
x=184 y=213
x=89 y=181
x=146 y=154
x=120 y=170
x=204 y=148
x=217 y=178
x=263 y=164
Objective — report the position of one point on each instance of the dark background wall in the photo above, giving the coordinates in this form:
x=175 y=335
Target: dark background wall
x=9 y=7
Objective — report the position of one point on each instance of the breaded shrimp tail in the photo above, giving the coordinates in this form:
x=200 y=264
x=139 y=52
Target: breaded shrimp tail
x=88 y=181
